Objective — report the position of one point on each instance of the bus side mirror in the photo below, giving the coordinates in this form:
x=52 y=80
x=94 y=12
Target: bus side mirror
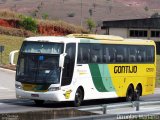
x=11 y=57
x=61 y=60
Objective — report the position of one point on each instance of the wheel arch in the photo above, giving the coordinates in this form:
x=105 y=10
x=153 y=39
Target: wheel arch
x=80 y=87
x=79 y=96
x=130 y=92
x=131 y=86
x=139 y=84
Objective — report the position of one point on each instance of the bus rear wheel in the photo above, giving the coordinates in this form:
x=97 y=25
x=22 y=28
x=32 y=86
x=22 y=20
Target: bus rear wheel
x=138 y=92
x=78 y=97
x=130 y=94
x=39 y=102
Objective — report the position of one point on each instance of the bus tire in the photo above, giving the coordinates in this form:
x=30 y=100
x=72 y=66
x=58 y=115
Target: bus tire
x=39 y=102
x=78 y=97
x=130 y=94
x=138 y=91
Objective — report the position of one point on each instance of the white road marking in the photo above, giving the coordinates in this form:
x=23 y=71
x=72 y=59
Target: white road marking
x=4 y=88
x=3 y=69
x=7 y=89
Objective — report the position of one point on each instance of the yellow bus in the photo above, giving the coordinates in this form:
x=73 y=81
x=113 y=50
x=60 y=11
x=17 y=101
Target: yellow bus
x=82 y=67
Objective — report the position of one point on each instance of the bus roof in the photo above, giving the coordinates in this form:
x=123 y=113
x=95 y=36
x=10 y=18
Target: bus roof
x=109 y=39
x=58 y=39
x=97 y=37
x=90 y=38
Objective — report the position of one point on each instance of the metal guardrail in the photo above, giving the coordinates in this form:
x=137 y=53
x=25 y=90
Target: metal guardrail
x=105 y=107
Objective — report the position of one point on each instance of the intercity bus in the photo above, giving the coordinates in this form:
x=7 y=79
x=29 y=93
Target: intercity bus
x=82 y=67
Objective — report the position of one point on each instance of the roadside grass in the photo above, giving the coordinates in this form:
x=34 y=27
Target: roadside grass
x=7 y=14
x=10 y=43
x=71 y=28
x=16 y=32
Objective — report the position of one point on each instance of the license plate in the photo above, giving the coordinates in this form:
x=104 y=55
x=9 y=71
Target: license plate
x=34 y=95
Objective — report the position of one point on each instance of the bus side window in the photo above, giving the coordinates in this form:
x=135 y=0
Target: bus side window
x=132 y=51
x=141 y=54
x=112 y=52
x=150 y=54
x=69 y=64
x=139 y=57
x=96 y=53
x=120 y=56
x=106 y=56
x=83 y=53
x=132 y=58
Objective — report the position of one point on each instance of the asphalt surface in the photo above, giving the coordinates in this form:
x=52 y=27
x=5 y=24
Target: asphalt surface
x=7 y=83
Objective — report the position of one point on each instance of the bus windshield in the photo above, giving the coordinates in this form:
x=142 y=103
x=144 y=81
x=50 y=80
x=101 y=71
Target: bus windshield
x=42 y=47
x=39 y=65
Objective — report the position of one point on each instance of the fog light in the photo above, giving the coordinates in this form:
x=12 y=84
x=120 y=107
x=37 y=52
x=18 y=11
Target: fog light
x=18 y=86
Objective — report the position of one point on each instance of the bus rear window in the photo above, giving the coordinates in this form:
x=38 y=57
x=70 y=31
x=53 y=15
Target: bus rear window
x=41 y=47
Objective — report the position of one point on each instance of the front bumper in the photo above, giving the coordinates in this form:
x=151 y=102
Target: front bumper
x=47 y=96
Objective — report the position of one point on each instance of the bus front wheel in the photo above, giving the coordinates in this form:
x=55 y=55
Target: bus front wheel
x=78 y=97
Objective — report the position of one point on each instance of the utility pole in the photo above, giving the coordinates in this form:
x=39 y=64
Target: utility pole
x=81 y=13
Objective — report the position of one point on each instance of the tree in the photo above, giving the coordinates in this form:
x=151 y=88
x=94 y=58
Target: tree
x=37 y=10
x=91 y=24
x=90 y=12
x=34 y=13
x=146 y=8
x=29 y=23
x=109 y=5
x=98 y=25
x=94 y=6
x=45 y=16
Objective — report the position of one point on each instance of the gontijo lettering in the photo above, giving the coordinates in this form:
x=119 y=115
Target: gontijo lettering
x=125 y=69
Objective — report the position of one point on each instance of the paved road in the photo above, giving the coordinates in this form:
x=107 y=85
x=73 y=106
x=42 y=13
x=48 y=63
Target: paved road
x=7 y=83
x=8 y=102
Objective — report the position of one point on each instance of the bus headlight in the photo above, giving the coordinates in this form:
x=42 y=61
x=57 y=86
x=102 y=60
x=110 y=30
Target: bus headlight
x=54 y=88
x=18 y=86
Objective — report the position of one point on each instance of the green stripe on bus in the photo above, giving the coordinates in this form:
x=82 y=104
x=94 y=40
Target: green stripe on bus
x=107 y=78
x=102 y=76
x=97 y=78
x=84 y=41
